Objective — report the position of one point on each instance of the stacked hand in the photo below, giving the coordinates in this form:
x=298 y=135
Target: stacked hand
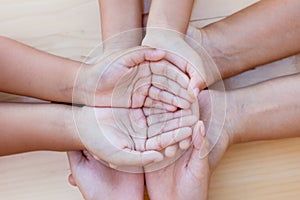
x=140 y=108
x=149 y=105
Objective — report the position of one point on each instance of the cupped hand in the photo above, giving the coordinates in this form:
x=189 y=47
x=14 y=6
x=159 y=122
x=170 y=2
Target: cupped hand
x=187 y=178
x=125 y=80
x=122 y=136
x=192 y=60
x=97 y=181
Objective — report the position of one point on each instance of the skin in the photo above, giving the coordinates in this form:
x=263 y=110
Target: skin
x=270 y=24
x=24 y=75
x=122 y=30
x=248 y=119
x=121 y=136
x=98 y=178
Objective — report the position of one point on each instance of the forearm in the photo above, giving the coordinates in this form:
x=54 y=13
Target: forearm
x=269 y=110
x=30 y=127
x=262 y=33
x=121 y=23
x=170 y=14
x=30 y=72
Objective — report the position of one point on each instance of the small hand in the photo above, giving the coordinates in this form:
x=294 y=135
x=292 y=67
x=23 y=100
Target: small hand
x=122 y=137
x=97 y=181
x=125 y=80
x=198 y=65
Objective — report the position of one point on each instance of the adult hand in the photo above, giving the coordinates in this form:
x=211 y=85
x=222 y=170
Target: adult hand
x=188 y=177
x=97 y=181
x=125 y=80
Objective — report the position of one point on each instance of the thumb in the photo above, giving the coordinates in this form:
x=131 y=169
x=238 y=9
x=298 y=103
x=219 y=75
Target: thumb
x=199 y=165
x=135 y=56
x=74 y=157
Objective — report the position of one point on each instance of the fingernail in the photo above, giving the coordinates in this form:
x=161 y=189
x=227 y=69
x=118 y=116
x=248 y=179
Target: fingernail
x=196 y=92
x=202 y=129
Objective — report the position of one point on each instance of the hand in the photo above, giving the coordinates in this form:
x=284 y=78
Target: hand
x=97 y=181
x=190 y=175
x=124 y=80
x=197 y=64
x=186 y=179
x=121 y=136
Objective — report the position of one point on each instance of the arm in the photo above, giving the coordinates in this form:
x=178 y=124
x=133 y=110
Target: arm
x=121 y=23
x=30 y=127
x=170 y=14
x=269 y=110
x=27 y=71
x=262 y=33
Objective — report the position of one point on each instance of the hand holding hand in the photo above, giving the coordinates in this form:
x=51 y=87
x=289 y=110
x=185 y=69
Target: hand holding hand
x=126 y=80
x=122 y=137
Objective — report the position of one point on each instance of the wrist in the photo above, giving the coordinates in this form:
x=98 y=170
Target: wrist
x=69 y=126
x=122 y=41
x=222 y=49
x=235 y=122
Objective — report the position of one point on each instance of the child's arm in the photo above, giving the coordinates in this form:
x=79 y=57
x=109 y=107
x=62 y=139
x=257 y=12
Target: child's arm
x=30 y=127
x=121 y=23
x=170 y=14
x=30 y=72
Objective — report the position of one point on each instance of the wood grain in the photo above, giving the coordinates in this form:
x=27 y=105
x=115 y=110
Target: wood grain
x=71 y=28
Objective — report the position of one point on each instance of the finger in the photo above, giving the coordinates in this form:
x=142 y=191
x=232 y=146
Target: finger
x=197 y=81
x=74 y=157
x=185 y=144
x=170 y=125
x=151 y=103
x=197 y=164
x=153 y=111
x=198 y=130
x=71 y=180
x=166 y=84
x=161 y=141
x=167 y=69
x=168 y=98
x=135 y=56
x=170 y=151
x=128 y=157
x=162 y=117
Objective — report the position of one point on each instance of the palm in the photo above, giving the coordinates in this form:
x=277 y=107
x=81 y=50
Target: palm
x=121 y=136
x=187 y=178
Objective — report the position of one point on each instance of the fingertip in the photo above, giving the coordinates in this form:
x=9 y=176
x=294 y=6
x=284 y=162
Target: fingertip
x=71 y=180
x=202 y=128
x=154 y=156
x=155 y=55
x=185 y=144
x=113 y=166
x=170 y=151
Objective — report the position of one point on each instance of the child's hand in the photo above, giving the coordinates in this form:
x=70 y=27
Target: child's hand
x=199 y=67
x=125 y=80
x=122 y=137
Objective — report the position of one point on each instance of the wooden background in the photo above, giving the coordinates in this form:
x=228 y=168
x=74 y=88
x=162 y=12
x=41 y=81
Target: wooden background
x=71 y=28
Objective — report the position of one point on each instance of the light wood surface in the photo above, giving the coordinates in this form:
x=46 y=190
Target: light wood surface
x=71 y=28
